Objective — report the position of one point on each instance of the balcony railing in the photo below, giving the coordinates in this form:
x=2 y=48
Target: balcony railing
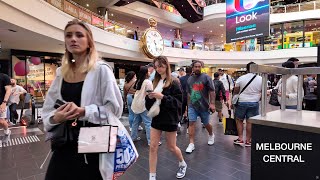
x=92 y=18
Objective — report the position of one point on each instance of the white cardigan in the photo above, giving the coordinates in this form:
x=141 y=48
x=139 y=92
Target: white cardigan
x=100 y=96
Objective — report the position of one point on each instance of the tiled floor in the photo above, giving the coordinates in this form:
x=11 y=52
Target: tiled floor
x=222 y=161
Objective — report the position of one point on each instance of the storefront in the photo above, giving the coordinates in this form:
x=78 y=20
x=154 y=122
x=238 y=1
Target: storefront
x=34 y=71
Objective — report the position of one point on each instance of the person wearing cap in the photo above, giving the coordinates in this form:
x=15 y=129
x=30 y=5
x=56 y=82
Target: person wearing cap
x=151 y=70
x=227 y=83
x=295 y=61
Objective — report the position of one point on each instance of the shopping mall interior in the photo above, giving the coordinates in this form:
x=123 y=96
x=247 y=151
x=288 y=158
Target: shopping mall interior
x=32 y=46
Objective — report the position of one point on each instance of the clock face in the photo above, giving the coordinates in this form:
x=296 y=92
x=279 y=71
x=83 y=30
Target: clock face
x=154 y=43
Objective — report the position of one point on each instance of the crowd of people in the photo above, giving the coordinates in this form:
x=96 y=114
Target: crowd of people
x=155 y=96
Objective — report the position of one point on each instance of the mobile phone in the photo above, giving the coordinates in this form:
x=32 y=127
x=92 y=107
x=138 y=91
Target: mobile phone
x=58 y=103
x=149 y=91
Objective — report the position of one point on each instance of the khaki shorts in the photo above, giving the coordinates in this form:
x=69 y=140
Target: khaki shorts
x=218 y=105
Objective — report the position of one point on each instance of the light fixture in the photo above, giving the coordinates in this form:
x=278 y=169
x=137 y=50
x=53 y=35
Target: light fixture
x=170 y=29
x=87 y=5
x=198 y=27
x=131 y=22
x=192 y=35
x=211 y=31
x=111 y=14
x=221 y=25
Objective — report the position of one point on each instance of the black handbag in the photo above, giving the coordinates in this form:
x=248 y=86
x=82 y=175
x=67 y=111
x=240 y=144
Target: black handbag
x=274 y=98
x=230 y=126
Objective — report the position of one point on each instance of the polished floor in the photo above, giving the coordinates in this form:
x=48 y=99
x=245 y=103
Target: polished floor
x=222 y=161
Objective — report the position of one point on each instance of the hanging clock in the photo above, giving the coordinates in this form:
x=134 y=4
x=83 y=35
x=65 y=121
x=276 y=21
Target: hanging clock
x=152 y=41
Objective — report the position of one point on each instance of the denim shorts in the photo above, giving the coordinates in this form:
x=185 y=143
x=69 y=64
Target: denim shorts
x=246 y=110
x=193 y=115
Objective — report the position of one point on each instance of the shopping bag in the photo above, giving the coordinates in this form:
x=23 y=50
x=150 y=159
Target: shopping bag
x=113 y=165
x=230 y=125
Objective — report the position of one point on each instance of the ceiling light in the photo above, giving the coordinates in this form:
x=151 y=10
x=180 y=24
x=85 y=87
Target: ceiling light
x=111 y=14
x=221 y=25
x=211 y=31
x=192 y=35
x=170 y=29
x=131 y=22
x=198 y=27
x=128 y=2
x=222 y=41
x=87 y=5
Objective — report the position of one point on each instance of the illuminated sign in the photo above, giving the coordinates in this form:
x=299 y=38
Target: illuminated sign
x=247 y=19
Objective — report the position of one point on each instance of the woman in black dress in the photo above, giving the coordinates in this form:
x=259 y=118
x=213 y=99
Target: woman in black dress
x=89 y=90
x=168 y=94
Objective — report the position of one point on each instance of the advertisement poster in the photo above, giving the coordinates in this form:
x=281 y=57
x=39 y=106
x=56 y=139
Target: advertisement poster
x=247 y=19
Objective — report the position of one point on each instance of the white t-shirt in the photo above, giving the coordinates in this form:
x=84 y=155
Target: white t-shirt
x=225 y=82
x=15 y=94
x=253 y=92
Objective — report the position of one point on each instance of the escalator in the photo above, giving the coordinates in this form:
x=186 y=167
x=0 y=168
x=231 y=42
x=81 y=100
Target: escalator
x=192 y=10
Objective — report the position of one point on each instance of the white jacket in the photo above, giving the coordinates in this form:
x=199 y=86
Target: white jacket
x=291 y=90
x=100 y=96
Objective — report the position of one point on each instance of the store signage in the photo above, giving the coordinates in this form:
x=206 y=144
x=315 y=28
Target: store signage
x=96 y=21
x=247 y=19
x=85 y=16
x=57 y=3
x=71 y=9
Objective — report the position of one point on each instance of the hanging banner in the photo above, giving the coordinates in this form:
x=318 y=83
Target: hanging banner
x=96 y=21
x=247 y=19
x=85 y=16
x=71 y=9
x=57 y=3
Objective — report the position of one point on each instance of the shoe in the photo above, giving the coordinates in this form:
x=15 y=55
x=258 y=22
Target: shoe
x=211 y=140
x=190 y=148
x=137 y=139
x=238 y=142
x=181 y=171
x=130 y=129
x=140 y=128
x=6 y=137
x=247 y=144
x=203 y=126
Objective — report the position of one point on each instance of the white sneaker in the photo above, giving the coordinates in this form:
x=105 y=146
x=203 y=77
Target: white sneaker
x=211 y=140
x=130 y=129
x=140 y=128
x=190 y=148
x=6 y=137
x=181 y=171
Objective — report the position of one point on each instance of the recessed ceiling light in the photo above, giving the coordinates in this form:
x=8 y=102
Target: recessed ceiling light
x=99 y=11
x=211 y=31
x=87 y=5
x=128 y=2
x=221 y=25
x=111 y=14
x=198 y=27
x=170 y=29
x=131 y=22
x=222 y=41
x=192 y=35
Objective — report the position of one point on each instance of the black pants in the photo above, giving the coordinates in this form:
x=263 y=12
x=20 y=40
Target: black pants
x=67 y=164
x=311 y=105
x=13 y=112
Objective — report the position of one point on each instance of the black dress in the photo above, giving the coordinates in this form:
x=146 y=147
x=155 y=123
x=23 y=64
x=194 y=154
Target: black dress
x=66 y=163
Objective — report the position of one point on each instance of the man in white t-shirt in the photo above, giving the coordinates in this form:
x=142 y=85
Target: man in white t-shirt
x=14 y=100
x=228 y=85
x=248 y=104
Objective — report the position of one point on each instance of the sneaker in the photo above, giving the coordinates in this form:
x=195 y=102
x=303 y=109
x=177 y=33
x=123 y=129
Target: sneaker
x=140 y=128
x=211 y=140
x=130 y=129
x=238 y=142
x=190 y=148
x=203 y=126
x=247 y=144
x=6 y=137
x=181 y=172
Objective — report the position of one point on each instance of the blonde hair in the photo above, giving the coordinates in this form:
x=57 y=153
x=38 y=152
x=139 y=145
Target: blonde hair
x=162 y=60
x=92 y=54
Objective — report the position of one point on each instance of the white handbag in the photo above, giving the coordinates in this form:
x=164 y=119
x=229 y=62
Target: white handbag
x=101 y=139
x=155 y=108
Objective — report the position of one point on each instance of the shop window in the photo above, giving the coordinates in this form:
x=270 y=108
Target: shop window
x=293 y=35
x=312 y=33
x=274 y=41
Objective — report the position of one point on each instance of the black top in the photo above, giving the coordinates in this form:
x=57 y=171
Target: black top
x=71 y=92
x=170 y=108
x=219 y=89
x=4 y=81
x=184 y=85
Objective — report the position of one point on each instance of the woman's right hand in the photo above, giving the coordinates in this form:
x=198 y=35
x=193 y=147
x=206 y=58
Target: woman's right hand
x=63 y=112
